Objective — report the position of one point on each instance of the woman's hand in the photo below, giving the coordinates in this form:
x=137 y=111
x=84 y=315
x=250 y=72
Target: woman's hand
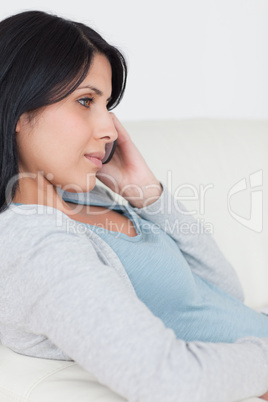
x=264 y=397
x=128 y=174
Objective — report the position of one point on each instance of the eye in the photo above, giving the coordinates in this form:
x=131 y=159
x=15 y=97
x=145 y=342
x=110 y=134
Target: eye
x=86 y=101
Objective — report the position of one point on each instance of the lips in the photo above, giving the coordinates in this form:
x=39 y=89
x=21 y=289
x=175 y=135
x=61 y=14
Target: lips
x=96 y=158
x=99 y=155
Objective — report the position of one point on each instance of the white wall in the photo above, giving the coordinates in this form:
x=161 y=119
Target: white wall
x=187 y=58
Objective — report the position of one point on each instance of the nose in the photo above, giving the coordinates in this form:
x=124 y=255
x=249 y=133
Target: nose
x=104 y=128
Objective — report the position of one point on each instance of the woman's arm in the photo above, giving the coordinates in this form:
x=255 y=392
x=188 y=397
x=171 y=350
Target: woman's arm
x=66 y=292
x=129 y=175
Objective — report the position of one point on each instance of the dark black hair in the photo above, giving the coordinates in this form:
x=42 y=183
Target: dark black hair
x=43 y=59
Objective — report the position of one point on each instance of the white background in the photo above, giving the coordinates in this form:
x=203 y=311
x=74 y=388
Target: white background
x=187 y=58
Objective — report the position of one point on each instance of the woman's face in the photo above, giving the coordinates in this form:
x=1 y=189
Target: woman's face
x=55 y=142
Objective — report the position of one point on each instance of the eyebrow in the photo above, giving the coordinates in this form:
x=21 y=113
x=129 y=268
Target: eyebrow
x=96 y=90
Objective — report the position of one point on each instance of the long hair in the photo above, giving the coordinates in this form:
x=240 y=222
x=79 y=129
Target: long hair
x=43 y=59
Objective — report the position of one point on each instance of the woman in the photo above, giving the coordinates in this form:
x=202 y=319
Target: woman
x=85 y=279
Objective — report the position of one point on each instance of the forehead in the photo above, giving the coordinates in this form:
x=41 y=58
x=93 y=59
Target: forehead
x=100 y=70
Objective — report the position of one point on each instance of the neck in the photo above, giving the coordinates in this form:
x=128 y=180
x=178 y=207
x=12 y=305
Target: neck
x=39 y=190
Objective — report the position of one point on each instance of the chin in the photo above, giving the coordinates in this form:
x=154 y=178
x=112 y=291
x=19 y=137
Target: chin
x=91 y=183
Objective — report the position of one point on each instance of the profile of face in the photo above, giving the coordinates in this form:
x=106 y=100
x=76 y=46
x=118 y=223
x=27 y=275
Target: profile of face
x=54 y=144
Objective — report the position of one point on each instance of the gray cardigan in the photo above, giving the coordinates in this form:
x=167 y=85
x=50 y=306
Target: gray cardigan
x=64 y=294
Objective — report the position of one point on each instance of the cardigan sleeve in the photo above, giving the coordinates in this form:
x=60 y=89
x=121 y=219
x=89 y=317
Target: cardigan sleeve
x=57 y=286
x=197 y=245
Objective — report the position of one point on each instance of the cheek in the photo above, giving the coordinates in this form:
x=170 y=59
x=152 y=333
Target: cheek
x=65 y=137
x=58 y=142
x=69 y=132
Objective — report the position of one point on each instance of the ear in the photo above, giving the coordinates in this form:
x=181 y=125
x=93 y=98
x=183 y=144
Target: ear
x=18 y=126
x=21 y=122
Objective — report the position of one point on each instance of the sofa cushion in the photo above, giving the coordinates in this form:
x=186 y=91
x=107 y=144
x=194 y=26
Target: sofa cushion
x=30 y=379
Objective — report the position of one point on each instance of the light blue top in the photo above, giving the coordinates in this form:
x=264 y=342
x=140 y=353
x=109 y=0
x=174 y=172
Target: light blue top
x=193 y=307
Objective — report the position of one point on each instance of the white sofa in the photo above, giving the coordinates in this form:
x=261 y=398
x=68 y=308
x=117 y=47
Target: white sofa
x=219 y=169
